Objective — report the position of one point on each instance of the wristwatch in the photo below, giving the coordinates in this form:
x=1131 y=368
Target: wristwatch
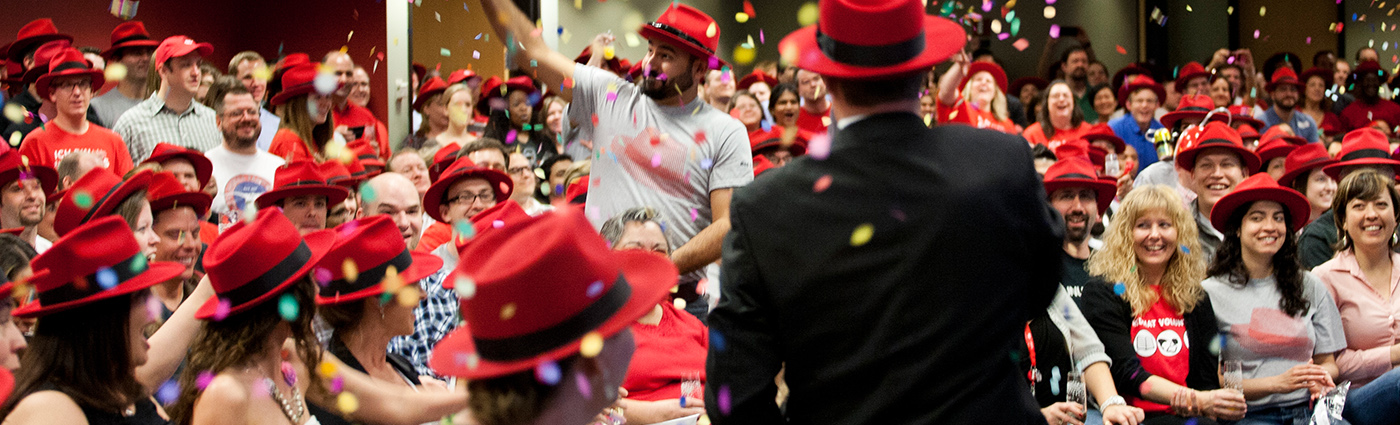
x=1113 y=401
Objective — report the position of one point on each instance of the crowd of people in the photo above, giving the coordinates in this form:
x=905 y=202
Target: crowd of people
x=585 y=239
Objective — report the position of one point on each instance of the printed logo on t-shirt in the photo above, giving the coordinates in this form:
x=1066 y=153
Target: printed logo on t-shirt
x=1169 y=343
x=240 y=191
x=1144 y=343
x=58 y=155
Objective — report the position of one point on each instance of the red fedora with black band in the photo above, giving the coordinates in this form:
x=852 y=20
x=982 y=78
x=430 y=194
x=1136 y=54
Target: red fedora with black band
x=998 y=74
x=757 y=76
x=68 y=63
x=96 y=261
x=1362 y=146
x=1077 y=171
x=1140 y=82
x=1213 y=134
x=844 y=43
x=1128 y=73
x=31 y=35
x=429 y=88
x=501 y=185
x=299 y=80
x=100 y=192
x=129 y=34
x=1302 y=161
x=300 y=178
x=593 y=290
x=443 y=158
x=687 y=28
x=504 y=216
x=203 y=168
x=166 y=192
x=376 y=248
x=1284 y=76
x=42 y=57
x=466 y=76
x=337 y=174
x=760 y=140
x=252 y=262
x=274 y=84
x=494 y=87
x=14 y=166
x=1273 y=148
x=1192 y=70
x=1103 y=132
x=1260 y=187
x=1367 y=67
x=1190 y=106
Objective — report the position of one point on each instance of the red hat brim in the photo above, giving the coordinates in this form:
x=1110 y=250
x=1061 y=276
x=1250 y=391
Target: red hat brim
x=48 y=178
x=432 y=199
x=1276 y=151
x=1128 y=89
x=156 y=272
x=1105 y=189
x=492 y=91
x=650 y=33
x=651 y=278
x=200 y=201
x=1181 y=80
x=318 y=242
x=1187 y=158
x=105 y=204
x=15 y=50
x=110 y=53
x=423 y=97
x=203 y=168
x=41 y=86
x=998 y=74
x=424 y=265
x=333 y=193
x=1275 y=84
x=1298 y=206
x=1289 y=176
x=1335 y=170
x=749 y=80
x=288 y=93
x=942 y=38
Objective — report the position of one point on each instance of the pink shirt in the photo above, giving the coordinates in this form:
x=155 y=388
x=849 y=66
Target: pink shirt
x=1369 y=322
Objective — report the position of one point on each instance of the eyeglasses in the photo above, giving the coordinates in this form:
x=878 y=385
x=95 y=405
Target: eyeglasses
x=519 y=170
x=71 y=84
x=468 y=199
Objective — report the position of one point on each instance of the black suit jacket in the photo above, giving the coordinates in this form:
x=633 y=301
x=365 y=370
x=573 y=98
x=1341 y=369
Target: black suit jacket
x=916 y=325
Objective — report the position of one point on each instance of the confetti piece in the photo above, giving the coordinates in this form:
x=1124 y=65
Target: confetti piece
x=168 y=392
x=1119 y=288
x=1049 y=12
x=106 y=278
x=115 y=72
x=724 y=399
x=996 y=26
x=408 y=297
x=465 y=287
x=819 y=147
x=1121 y=50
x=1262 y=9
x=507 y=311
x=347 y=403
x=656 y=160
x=748 y=8
x=711 y=30
x=578 y=4
x=439 y=15
x=862 y=234
x=445 y=52
x=325 y=83
x=1055 y=380
x=679 y=303
x=349 y=270
x=1256 y=34
x=154 y=308
x=287 y=306
x=809 y=12
x=1021 y=44
x=1054 y=31
x=15 y=139
x=547 y=373
x=1188 y=8
x=476 y=54
x=633 y=40
x=823 y=183
x=741 y=17
x=337 y=384
x=326 y=369
x=1230 y=10
x=594 y=289
x=1215 y=344
x=584 y=388
x=590 y=345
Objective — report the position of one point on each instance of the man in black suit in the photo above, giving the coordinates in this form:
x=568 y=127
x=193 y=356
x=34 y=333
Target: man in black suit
x=894 y=294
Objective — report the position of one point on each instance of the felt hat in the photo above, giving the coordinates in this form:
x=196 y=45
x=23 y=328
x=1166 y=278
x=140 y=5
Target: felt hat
x=594 y=293
x=1281 y=132
x=1301 y=161
x=845 y=42
x=14 y=166
x=1139 y=82
x=492 y=89
x=429 y=88
x=992 y=68
x=96 y=194
x=420 y=70
x=96 y=261
x=504 y=216
x=14 y=72
x=253 y=262
x=1015 y=88
x=337 y=174
x=1077 y=171
x=1213 y=134
x=1362 y=146
x=1190 y=106
x=1260 y=187
x=576 y=191
x=1274 y=148
x=761 y=139
x=1188 y=72
x=1248 y=135
x=1323 y=73
x=274 y=84
x=68 y=63
x=300 y=178
x=367 y=156
x=1283 y=76
x=376 y=249
x=1128 y=73
x=1103 y=132
x=464 y=76
x=129 y=34
x=203 y=168
x=443 y=158
x=686 y=28
x=613 y=65
x=1240 y=115
x=501 y=184
x=761 y=164
x=299 y=80
x=42 y=56
x=166 y=192
x=31 y=35
x=754 y=77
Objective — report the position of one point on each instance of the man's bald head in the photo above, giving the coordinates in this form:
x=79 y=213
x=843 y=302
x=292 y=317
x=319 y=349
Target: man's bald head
x=344 y=68
x=394 y=195
x=74 y=165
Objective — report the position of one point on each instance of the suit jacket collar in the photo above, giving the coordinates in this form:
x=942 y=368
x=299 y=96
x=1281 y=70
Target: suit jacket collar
x=888 y=129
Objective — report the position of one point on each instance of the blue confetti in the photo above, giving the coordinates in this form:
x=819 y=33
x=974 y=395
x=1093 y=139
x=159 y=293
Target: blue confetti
x=717 y=340
x=1119 y=288
x=766 y=125
x=1055 y=380
x=707 y=163
x=547 y=373
x=107 y=278
x=168 y=392
x=1184 y=249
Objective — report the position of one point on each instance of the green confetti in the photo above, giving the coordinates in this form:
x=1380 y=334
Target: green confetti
x=83 y=199
x=287 y=306
x=445 y=52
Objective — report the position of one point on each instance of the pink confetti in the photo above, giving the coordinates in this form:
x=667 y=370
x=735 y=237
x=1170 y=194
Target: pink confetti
x=1309 y=40
x=986 y=5
x=760 y=37
x=337 y=384
x=1256 y=33
x=498 y=224
x=612 y=96
x=584 y=387
x=694 y=214
x=820 y=146
x=700 y=136
x=221 y=310
x=1003 y=36
x=724 y=399
x=822 y=184
x=204 y=379
x=1021 y=44
x=1055 y=31
x=510 y=136
x=656 y=160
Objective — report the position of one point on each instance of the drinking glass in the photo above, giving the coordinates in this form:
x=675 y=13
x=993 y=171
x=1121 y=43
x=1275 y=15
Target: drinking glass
x=1232 y=375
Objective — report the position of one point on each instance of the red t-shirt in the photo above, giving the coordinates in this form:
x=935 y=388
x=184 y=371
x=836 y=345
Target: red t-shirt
x=964 y=113
x=812 y=123
x=1358 y=114
x=437 y=234
x=1036 y=136
x=48 y=145
x=666 y=353
x=359 y=116
x=1159 y=337
x=286 y=145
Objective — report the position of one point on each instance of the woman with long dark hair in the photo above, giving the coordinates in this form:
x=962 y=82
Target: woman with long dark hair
x=784 y=104
x=1279 y=320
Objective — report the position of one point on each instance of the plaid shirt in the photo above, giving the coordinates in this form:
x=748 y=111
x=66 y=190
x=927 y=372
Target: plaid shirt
x=436 y=315
x=150 y=122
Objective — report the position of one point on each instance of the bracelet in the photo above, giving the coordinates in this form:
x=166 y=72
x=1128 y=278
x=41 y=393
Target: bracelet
x=1113 y=401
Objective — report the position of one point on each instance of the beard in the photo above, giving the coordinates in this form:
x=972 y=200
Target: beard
x=233 y=136
x=1286 y=104
x=1074 y=235
x=674 y=85
x=1079 y=74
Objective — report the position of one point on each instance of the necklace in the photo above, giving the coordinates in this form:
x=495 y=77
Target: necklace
x=294 y=414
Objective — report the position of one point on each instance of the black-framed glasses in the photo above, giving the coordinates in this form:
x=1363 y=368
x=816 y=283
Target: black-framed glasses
x=468 y=199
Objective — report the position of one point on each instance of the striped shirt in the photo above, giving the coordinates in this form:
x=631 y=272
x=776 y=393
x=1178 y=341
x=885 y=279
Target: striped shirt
x=150 y=122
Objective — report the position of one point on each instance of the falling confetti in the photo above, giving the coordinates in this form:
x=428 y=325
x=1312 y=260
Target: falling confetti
x=445 y=52
x=464 y=286
x=711 y=30
x=679 y=303
x=106 y=278
x=862 y=234
x=347 y=403
x=1262 y=9
x=724 y=399
x=326 y=369
x=221 y=310
x=590 y=345
x=409 y=297
x=1121 y=50
x=822 y=184
x=349 y=270
x=547 y=373
x=748 y=8
x=115 y=72
x=1049 y=12
x=809 y=12
x=1054 y=31
x=287 y=306
x=741 y=17
x=1119 y=288
x=507 y=311
x=819 y=147
x=168 y=392
x=1022 y=44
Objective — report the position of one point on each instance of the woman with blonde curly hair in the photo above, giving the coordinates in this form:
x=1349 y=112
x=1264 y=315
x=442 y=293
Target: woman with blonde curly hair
x=1153 y=308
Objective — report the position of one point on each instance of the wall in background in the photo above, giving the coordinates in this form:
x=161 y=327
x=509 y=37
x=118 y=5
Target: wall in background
x=445 y=37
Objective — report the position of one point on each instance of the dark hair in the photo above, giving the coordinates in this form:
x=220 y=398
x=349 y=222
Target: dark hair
x=14 y=252
x=519 y=397
x=1094 y=91
x=344 y=316
x=1278 y=60
x=1366 y=185
x=1039 y=151
x=547 y=165
x=86 y=354
x=1358 y=52
x=778 y=91
x=90 y=49
x=1229 y=262
x=483 y=144
x=734 y=100
x=875 y=92
x=984 y=51
x=1322 y=55
x=1076 y=115
x=1065 y=56
x=219 y=91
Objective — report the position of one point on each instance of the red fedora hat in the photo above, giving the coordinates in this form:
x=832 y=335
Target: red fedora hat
x=510 y=327
x=576 y=191
x=274 y=84
x=761 y=139
x=178 y=45
x=1239 y=115
x=761 y=164
x=166 y=192
x=443 y=158
x=429 y=88
x=1190 y=106
x=129 y=34
x=463 y=168
x=504 y=216
x=298 y=80
x=1188 y=72
x=494 y=87
x=688 y=28
x=1284 y=76
x=367 y=155
x=464 y=76
x=1260 y=187
x=613 y=65
x=754 y=77
x=337 y=174
x=300 y=178
x=69 y=63
x=1213 y=134
x=45 y=54
x=31 y=35
x=1103 y=132
x=1019 y=83
x=1274 y=148
x=96 y=261
x=1248 y=135
x=1362 y=146
x=252 y=262
x=1302 y=161
x=375 y=246
x=1367 y=67
x=1140 y=82
x=96 y=194
x=1282 y=131
x=844 y=43
x=56 y=196
x=14 y=166
x=203 y=168
x=1128 y=73
x=998 y=74
x=1077 y=171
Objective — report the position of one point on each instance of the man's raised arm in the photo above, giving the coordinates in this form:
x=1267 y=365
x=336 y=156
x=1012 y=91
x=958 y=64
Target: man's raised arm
x=512 y=26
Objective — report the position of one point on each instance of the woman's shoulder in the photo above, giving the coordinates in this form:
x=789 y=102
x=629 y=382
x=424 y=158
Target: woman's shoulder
x=229 y=392
x=50 y=406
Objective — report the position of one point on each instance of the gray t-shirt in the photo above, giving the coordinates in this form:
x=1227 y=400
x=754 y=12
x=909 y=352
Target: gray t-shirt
x=1268 y=341
x=645 y=154
x=112 y=105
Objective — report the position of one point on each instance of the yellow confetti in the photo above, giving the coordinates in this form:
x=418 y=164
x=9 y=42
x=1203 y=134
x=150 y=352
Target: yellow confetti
x=262 y=72
x=862 y=234
x=1262 y=9
x=14 y=112
x=347 y=402
x=609 y=52
x=578 y=4
x=348 y=36
x=15 y=139
x=1188 y=8
x=743 y=55
x=705 y=419
x=115 y=72
x=350 y=270
x=326 y=369
x=1230 y=10
x=408 y=297
x=741 y=17
x=1049 y=12
x=591 y=345
x=392 y=282
x=675 y=289
x=507 y=311
x=808 y=13
x=679 y=303
x=632 y=40
x=996 y=26
x=710 y=32
x=826 y=120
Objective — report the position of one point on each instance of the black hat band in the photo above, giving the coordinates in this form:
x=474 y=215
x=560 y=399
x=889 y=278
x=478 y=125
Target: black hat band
x=683 y=36
x=269 y=280
x=871 y=56
x=1365 y=153
x=571 y=328
x=368 y=277
x=124 y=271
